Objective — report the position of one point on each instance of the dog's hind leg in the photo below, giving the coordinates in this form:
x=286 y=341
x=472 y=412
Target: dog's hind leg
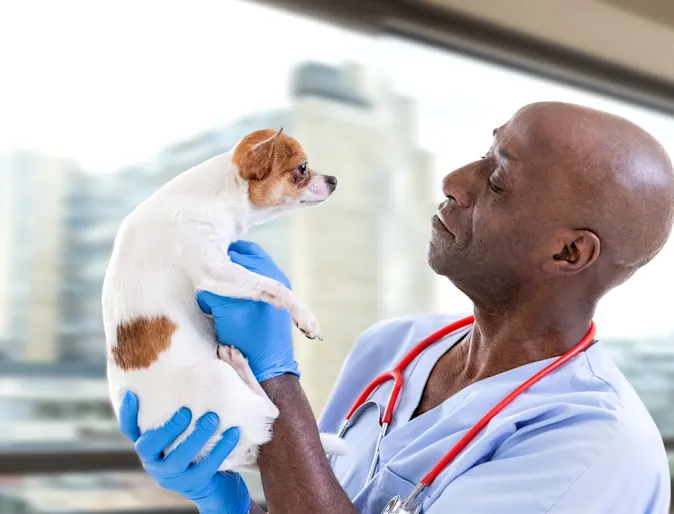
x=235 y=359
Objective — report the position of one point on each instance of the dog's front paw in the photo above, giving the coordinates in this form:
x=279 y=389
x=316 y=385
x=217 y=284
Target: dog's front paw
x=307 y=323
x=276 y=295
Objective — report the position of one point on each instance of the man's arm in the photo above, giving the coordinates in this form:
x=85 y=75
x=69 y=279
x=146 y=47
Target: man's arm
x=296 y=475
x=295 y=472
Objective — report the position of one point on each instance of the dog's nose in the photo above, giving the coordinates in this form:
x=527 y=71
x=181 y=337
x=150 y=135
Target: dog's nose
x=331 y=180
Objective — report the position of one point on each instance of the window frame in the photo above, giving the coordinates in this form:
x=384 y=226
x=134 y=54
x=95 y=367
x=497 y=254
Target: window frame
x=459 y=33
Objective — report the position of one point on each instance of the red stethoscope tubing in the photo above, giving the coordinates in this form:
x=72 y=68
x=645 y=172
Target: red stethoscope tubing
x=396 y=374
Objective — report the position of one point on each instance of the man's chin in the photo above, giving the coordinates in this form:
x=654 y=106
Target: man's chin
x=439 y=259
x=450 y=262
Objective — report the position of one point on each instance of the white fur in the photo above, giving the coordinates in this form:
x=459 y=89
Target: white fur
x=172 y=245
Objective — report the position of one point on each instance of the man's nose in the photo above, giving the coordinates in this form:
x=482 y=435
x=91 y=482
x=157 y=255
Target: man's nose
x=456 y=186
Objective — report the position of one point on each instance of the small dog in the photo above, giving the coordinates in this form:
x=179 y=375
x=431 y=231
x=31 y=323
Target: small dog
x=160 y=345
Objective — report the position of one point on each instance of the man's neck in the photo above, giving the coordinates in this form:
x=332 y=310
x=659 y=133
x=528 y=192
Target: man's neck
x=501 y=341
x=504 y=341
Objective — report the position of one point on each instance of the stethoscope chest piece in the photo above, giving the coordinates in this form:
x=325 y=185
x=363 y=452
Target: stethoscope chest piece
x=397 y=506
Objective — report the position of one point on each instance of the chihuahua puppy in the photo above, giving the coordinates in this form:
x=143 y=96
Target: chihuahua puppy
x=160 y=345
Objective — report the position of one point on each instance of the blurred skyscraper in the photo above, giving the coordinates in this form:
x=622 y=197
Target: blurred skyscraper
x=33 y=242
x=360 y=257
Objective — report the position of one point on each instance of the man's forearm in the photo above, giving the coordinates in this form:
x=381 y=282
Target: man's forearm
x=296 y=475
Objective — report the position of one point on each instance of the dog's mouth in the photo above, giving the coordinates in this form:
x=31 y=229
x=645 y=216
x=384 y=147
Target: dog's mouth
x=311 y=202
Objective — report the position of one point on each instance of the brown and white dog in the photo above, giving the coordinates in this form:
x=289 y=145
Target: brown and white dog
x=160 y=344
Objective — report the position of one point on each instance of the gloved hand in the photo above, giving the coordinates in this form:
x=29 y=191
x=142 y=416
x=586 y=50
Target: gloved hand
x=212 y=491
x=260 y=331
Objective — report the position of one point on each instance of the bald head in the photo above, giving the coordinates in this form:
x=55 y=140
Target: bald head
x=609 y=176
x=568 y=199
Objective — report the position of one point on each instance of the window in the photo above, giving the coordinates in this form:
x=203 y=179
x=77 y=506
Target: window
x=118 y=117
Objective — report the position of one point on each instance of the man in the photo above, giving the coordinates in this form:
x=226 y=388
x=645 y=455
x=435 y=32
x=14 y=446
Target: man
x=566 y=205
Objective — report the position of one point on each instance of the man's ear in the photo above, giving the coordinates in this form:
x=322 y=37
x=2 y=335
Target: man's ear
x=257 y=162
x=572 y=252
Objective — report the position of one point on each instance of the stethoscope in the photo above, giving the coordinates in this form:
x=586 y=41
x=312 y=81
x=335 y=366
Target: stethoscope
x=410 y=505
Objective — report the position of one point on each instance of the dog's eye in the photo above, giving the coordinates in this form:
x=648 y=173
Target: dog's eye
x=302 y=168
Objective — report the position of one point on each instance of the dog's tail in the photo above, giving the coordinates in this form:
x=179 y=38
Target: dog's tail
x=334 y=445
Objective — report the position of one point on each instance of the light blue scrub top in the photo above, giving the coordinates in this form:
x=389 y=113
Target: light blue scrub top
x=580 y=441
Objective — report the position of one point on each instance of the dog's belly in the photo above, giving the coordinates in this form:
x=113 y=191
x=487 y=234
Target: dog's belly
x=207 y=386
x=162 y=347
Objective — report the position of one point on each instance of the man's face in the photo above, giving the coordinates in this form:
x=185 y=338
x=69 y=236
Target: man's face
x=487 y=236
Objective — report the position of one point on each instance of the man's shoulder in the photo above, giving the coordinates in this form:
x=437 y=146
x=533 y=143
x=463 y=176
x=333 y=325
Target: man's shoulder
x=401 y=333
x=582 y=425
x=613 y=437
x=413 y=320
x=591 y=403
x=613 y=392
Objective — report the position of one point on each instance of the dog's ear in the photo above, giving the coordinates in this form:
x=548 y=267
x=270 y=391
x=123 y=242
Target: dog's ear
x=258 y=161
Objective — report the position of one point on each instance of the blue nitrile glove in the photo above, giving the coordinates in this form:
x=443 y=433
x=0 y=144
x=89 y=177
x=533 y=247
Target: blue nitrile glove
x=212 y=491
x=259 y=330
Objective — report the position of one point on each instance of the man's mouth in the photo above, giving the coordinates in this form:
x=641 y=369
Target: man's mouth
x=440 y=225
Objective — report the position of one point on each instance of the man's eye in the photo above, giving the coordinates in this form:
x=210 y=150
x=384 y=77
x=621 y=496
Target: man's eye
x=494 y=187
x=302 y=168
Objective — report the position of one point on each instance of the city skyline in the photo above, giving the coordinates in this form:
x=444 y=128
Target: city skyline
x=385 y=199
x=343 y=258
x=115 y=102
x=451 y=302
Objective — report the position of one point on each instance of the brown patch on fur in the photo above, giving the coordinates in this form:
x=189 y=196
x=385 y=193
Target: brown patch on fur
x=139 y=342
x=270 y=161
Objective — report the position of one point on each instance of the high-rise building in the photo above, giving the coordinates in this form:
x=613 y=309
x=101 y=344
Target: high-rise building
x=33 y=235
x=5 y=260
x=96 y=207
x=361 y=256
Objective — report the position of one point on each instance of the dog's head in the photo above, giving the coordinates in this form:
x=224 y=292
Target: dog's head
x=278 y=175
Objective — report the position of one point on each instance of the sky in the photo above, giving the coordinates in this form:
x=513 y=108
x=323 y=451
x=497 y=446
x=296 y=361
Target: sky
x=110 y=83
